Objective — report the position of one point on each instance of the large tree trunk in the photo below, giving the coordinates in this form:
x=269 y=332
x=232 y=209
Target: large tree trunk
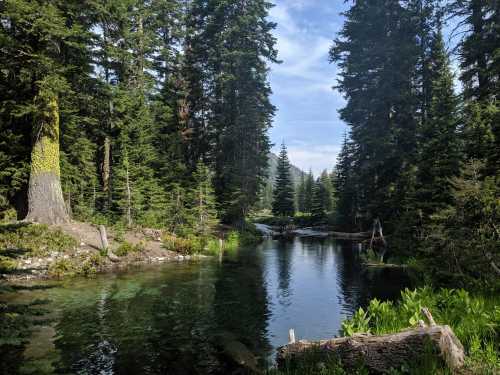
x=45 y=198
x=381 y=353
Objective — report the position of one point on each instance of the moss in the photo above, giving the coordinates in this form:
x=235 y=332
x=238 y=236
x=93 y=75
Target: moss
x=45 y=154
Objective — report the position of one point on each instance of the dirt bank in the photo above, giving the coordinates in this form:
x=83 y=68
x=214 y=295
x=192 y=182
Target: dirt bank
x=85 y=257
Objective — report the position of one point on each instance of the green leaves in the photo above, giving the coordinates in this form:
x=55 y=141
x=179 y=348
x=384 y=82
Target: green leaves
x=359 y=323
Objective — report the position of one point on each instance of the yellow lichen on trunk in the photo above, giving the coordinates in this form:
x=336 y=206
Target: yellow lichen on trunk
x=45 y=152
x=45 y=197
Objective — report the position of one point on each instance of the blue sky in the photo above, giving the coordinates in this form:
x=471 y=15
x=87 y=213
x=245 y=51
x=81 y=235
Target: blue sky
x=307 y=118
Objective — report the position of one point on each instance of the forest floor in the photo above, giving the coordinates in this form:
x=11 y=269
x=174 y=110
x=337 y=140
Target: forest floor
x=31 y=251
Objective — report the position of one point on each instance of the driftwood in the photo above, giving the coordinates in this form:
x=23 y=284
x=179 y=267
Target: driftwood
x=105 y=244
x=376 y=234
x=381 y=353
x=351 y=236
x=104 y=237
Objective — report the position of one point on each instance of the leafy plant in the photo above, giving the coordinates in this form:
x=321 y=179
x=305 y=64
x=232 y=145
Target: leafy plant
x=126 y=248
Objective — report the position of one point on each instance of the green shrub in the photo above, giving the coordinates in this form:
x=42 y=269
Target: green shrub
x=184 y=246
x=250 y=235
x=7 y=264
x=370 y=256
x=83 y=265
x=213 y=246
x=91 y=265
x=475 y=320
x=126 y=248
x=315 y=362
x=61 y=268
x=34 y=239
x=232 y=241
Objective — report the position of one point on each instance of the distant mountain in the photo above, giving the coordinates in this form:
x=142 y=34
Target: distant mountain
x=295 y=172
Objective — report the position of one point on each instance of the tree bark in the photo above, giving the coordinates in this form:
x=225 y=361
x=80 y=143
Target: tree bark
x=106 y=169
x=381 y=353
x=45 y=198
x=129 y=198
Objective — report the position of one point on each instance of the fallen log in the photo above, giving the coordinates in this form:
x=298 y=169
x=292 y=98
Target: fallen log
x=352 y=236
x=381 y=353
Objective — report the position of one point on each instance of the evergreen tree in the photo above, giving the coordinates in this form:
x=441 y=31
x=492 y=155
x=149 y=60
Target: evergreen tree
x=377 y=51
x=318 y=212
x=301 y=194
x=327 y=190
x=480 y=61
x=239 y=42
x=308 y=188
x=283 y=195
x=36 y=38
x=439 y=147
x=266 y=197
x=203 y=201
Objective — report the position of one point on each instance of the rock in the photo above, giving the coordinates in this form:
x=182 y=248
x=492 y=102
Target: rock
x=236 y=352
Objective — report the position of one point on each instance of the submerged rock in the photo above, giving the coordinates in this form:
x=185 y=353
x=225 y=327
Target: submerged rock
x=237 y=353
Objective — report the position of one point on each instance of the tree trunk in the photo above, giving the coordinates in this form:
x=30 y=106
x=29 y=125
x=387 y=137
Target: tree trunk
x=360 y=236
x=106 y=170
x=381 y=353
x=129 y=198
x=45 y=198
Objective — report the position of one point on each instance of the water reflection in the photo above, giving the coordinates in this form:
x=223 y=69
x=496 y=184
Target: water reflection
x=241 y=306
x=202 y=318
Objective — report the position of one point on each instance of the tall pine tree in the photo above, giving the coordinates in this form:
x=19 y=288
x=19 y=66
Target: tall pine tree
x=439 y=149
x=283 y=194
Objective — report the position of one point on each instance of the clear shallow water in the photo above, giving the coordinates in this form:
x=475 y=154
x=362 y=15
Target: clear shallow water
x=180 y=318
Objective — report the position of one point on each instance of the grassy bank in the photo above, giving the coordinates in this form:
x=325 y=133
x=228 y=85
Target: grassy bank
x=474 y=319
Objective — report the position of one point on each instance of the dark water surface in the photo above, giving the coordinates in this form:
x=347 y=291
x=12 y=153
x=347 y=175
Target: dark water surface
x=180 y=318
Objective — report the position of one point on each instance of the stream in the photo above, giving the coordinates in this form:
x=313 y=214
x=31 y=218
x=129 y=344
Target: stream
x=201 y=317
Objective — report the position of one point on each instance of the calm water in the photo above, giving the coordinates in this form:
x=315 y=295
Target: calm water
x=181 y=318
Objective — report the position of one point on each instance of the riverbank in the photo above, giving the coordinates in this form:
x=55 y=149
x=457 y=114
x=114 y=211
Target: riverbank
x=33 y=251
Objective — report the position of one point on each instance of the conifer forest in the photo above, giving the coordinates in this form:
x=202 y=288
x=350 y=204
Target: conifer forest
x=158 y=216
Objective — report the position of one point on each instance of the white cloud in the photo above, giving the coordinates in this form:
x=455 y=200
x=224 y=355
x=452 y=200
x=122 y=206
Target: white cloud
x=304 y=51
x=307 y=117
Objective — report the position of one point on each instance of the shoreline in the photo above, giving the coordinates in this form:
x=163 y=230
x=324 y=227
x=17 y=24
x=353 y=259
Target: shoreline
x=86 y=258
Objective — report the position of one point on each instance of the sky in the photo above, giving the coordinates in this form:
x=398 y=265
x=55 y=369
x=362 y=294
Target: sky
x=307 y=118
